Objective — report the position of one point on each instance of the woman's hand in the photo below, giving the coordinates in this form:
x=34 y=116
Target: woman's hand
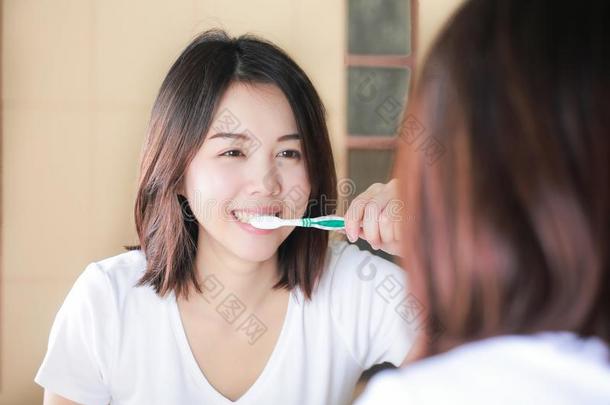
x=375 y=217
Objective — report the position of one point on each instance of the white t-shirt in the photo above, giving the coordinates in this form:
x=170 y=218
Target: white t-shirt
x=115 y=343
x=552 y=368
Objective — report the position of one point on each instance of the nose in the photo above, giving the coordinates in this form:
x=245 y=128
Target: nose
x=264 y=179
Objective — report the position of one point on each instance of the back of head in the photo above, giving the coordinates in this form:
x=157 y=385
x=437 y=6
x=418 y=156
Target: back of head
x=511 y=223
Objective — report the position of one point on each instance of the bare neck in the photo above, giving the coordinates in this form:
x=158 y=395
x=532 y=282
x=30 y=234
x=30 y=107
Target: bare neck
x=250 y=282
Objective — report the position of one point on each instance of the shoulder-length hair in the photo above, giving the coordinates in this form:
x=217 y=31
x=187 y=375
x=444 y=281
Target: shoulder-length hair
x=511 y=220
x=180 y=118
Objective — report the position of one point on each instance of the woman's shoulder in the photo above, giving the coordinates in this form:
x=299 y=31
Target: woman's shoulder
x=478 y=372
x=113 y=277
x=123 y=267
x=364 y=296
x=349 y=266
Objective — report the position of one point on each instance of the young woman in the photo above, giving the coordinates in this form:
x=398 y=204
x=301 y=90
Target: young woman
x=208 y=309
x=509 y=251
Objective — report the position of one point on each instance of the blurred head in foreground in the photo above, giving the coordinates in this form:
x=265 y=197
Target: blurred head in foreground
x=511 y=223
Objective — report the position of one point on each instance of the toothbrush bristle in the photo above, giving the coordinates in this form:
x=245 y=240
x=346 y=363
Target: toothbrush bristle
x=265 y=222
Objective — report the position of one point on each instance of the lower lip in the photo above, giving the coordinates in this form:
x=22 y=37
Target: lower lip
x=249 y=228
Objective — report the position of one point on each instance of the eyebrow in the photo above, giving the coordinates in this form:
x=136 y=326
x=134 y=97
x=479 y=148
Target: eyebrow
x=229 y=135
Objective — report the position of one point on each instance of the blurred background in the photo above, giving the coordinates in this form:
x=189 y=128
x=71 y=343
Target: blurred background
x=78 y=80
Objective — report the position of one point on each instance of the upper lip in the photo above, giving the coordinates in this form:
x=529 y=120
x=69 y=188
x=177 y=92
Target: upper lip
x=260 y=210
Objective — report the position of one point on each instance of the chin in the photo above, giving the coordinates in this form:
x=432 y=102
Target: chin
x=254 y=252
x=250 y=248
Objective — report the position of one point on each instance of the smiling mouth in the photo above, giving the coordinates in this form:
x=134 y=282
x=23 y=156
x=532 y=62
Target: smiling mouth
x=245 y=217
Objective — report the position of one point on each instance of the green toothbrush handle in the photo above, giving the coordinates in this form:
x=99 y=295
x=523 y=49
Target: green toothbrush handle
x=329 y=222
x=332 y=223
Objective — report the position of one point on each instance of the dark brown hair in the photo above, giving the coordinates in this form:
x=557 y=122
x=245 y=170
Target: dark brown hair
x=180 y=118
x=511 y=229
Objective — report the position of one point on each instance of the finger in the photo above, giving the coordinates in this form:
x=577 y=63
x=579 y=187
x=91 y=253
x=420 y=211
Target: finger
x=355 y=212
x=370 y=223
x=393 y=211
x=397 y=225
x=353 y=217
x=386 y=228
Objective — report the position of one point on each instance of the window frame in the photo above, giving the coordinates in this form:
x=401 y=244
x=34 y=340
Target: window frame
x=377 y=141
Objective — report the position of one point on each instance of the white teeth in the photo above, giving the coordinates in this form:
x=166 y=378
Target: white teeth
x=243 y=216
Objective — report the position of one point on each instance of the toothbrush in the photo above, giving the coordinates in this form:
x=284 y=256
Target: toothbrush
x=329 y=222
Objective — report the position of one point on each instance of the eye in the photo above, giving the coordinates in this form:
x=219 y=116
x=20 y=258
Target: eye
x=232 y=153
x=290 y=154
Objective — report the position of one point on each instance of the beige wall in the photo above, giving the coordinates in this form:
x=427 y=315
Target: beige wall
x=432 y=15
x=78 y=81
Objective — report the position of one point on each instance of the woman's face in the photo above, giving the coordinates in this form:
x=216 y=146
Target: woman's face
x=250 y=162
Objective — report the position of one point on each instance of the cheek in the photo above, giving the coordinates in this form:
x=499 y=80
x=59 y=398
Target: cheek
x=209 y=191
x=298 y=189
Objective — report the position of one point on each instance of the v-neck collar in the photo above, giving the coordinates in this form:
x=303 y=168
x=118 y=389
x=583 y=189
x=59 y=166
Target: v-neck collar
x=199 y=376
